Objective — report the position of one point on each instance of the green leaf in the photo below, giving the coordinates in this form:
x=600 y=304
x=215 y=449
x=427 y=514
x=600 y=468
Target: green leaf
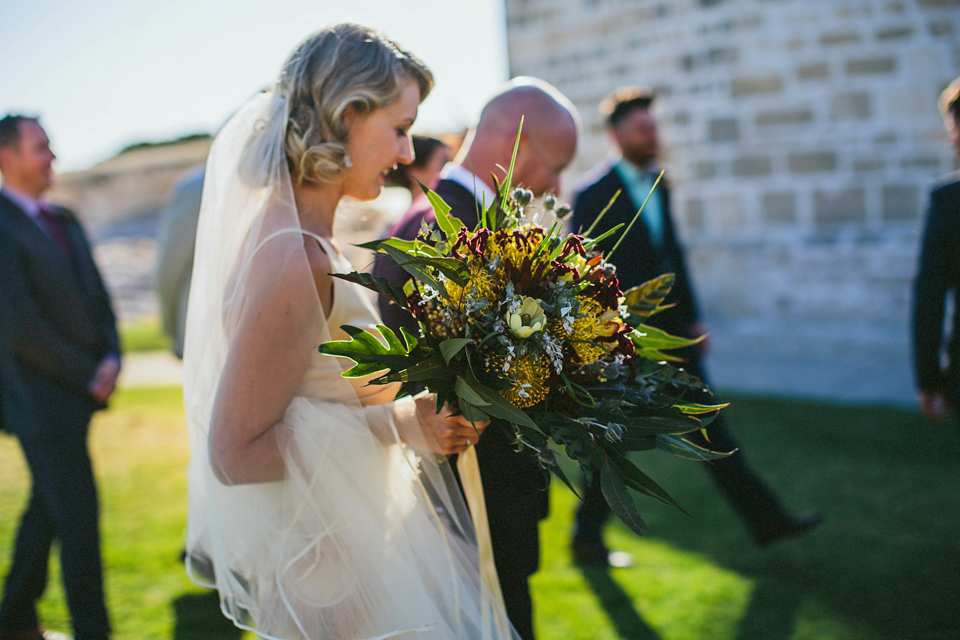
x=471 y=412
x=418 y=271
x=645 y=300
x=499 y=406
x=379 y=285
x=649 y=341
x=682 y=448
x=423 y=371
x=453 y=346
x=466 y=392
x=639 y=481
x=603 y=236
x=449 y=225
x=620 y=500
x=370 y=354
x=695 y=408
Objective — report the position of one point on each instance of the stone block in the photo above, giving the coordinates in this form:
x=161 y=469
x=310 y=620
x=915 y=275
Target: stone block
x=839 y=207
x=833 y=39
x=901 y=202
x=784 y=116
x=942 y=28
x=812 y=162
x=693 y=214
x=751 y=166
x=895 y=33
x=705 y=170
x=724 y=130
x=779 y=207
x=868 y=164
x=815 y=71
x=753 y=85
x=851 y=106
x=871 y=66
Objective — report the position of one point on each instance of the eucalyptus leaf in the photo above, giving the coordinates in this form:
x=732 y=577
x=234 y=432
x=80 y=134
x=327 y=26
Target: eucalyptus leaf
x=466 y=392
x=620 y=500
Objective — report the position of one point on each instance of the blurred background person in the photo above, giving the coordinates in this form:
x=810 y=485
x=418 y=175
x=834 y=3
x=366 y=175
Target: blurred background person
x=61 y=355
x=652 y=249
x=176 y=236
x=937 y=279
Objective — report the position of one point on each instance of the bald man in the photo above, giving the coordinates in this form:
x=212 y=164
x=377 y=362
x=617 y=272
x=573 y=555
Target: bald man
x=514 y=487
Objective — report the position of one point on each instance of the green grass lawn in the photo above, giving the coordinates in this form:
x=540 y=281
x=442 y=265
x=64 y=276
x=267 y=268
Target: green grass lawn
x=884 y=565
x=144 y=334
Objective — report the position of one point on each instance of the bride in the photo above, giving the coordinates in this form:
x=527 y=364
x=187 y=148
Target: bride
x=318 y=500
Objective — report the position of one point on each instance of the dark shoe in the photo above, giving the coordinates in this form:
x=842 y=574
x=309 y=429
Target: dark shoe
x=786 y=527
x=596 y=554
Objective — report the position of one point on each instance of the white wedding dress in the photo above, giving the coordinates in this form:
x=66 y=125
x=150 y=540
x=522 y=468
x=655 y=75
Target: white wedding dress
x=367 y=535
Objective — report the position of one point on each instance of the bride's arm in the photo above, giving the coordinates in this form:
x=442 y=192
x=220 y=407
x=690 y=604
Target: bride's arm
x=270 y=348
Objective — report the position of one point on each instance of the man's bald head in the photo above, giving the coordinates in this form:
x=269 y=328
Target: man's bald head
x=548 y=139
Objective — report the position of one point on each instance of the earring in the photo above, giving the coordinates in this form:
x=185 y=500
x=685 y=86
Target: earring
x=346 y=160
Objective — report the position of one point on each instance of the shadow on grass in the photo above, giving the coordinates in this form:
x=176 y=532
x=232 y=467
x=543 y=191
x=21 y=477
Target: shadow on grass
x=884 y=562
x=618 y=605
x=771 y=614
x=198 y=617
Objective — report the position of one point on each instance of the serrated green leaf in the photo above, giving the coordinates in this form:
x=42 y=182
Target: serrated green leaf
x=423 y=371
x=645 y=300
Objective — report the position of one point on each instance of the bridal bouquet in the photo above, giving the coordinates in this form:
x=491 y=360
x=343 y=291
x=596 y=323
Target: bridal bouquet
x=527 y=326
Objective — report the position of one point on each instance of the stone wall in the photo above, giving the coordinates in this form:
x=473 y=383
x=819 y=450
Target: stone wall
x=801 y=137
x=134 y=184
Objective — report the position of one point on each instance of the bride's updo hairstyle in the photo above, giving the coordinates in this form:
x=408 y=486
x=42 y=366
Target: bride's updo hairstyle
x=346 y=65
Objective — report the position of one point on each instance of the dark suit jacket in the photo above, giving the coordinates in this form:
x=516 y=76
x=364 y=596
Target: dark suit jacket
x=938 y=276
x=57 y=321
x=513 y=483
x=637 y=259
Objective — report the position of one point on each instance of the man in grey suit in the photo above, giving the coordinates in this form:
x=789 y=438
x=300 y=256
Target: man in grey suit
x=59 y=360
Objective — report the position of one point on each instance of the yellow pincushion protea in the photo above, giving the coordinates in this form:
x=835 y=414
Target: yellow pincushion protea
x=592 y=322
x=529 y=373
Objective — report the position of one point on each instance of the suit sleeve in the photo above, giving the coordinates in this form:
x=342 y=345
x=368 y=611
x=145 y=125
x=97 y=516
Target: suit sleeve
x=29 y=336
x=929 y=297
x=106 y=318
x=682 y=287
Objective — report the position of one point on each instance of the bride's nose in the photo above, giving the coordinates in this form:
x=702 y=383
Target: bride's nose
x=406 y=153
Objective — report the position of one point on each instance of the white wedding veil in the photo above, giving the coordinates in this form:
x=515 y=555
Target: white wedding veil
x=366 y=535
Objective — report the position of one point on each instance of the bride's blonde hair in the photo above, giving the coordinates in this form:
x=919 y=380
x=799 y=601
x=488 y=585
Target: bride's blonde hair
x=343 y=66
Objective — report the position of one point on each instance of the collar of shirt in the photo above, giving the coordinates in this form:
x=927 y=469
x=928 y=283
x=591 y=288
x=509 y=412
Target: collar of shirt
x=29 y=205
x=469 y=181
x=634 y=176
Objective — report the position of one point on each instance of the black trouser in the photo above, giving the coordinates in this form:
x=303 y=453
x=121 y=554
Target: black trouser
x=63 y=505
x=746 y=493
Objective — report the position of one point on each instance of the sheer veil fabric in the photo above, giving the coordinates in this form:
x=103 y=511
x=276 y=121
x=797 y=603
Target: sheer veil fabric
x=367 y=535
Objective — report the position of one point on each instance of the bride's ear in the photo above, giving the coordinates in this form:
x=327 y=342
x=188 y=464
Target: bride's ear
x=350 y=116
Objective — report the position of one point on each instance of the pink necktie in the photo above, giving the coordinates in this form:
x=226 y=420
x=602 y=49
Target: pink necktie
x=54 y=229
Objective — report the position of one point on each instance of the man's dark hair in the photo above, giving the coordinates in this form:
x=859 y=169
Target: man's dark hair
x=949 y=102
x=10 y=129
x=623 y=101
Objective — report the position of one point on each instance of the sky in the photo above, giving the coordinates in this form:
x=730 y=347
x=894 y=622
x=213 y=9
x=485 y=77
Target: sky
x=103 y=74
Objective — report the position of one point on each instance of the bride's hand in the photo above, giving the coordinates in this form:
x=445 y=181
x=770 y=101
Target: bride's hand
x=449 y=433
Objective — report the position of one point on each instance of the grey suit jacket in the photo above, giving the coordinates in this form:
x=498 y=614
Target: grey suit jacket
x=57 y=325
